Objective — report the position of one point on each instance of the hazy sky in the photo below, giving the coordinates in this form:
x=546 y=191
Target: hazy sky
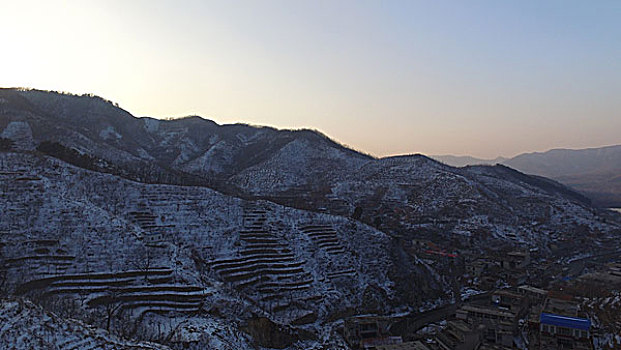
x=484 y=78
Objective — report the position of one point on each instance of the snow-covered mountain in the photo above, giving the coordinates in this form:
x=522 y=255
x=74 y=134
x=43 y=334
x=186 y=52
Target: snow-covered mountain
x=188 y=265
x=198 y=235
x=302 y=168
x=193 y=145
x=596 y=172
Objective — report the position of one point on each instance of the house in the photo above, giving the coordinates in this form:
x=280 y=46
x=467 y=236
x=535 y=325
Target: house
x=510 y=301
x=534 y=295
x=415 y=345
x=153 y=239
x=500 y=325
x=477 y=267
x=459 y=335
x=368 y=332
x=515 y=260
x=561 y=326
x=499 y=314
x=564 y=332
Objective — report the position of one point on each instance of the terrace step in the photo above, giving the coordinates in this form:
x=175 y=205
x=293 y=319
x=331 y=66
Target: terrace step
x=280 y=289
x=249 y=258
x=276 y=260
x=261 y=240
x=285 y=284
x=335 y=250
x=256 y=251
x=45 y=281
x=242 y=284
x=348 y=272
x=264 y=272
x=260 y=267
x=163 y=306
x=265 y=245
x=75 y=344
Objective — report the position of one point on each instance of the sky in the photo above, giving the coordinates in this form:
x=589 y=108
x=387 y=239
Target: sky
x=480 y=78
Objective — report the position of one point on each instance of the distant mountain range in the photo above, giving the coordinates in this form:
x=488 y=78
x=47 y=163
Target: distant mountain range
x=596 y=172
x=461 y=161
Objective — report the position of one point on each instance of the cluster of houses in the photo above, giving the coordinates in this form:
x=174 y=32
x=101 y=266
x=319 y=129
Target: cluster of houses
x=513 y=313
x=525 y=317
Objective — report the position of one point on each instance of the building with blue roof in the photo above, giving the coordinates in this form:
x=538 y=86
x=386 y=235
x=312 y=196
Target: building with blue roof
x=564 y=332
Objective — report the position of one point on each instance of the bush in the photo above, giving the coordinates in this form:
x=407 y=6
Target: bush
x=69 y=155
x=5 y=144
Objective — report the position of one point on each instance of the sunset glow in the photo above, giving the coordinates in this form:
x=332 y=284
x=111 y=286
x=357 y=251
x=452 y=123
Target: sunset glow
x=483 y=78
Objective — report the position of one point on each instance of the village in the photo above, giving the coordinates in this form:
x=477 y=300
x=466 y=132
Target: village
x=509 y=299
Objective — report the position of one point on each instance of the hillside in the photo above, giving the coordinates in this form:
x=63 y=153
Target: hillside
x=190 y=145
x=27 y=326
x=179 y=264
x=595 y=172
x=303 y=169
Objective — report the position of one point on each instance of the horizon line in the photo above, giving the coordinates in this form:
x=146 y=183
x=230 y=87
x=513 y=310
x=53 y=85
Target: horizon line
x=304 y=128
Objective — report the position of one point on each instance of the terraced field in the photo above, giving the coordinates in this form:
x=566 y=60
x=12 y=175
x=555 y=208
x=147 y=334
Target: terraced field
x=265 y=268
x=177 y=264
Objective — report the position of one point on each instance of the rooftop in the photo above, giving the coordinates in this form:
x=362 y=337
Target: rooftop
x=565 y=321
x=532 y=289
x=416 y=345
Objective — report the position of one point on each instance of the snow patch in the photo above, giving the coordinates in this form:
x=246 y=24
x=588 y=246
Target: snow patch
x=110 y=133
x=151 y=125
x=21 y=133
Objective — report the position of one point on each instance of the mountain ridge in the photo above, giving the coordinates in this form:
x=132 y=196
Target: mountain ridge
x=227 y=156
x=594 y=171
x=137 y=137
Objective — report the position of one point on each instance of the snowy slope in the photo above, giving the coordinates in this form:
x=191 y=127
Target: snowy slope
x=24 y=325
x=304 y=169
x=174 y=263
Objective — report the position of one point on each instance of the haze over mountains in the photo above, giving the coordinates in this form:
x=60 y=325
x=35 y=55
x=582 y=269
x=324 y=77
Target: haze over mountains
x=596 y=172
x=461 y=161
x=198 y=235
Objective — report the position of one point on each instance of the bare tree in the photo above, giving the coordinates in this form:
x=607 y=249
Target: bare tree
x=112 y=303
x=122 y=324
x=142 y=260
x=3 y=272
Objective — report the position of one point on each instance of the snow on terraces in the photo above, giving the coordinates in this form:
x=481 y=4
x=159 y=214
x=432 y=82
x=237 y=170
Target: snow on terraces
x=265 y=267
x=136 y=291
x=325 y=237
x=144 y=219
x=90 y=210
x=36 y=257
x=180 y=215
x=63 y=233
x=155 y=298
x=19 y=191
